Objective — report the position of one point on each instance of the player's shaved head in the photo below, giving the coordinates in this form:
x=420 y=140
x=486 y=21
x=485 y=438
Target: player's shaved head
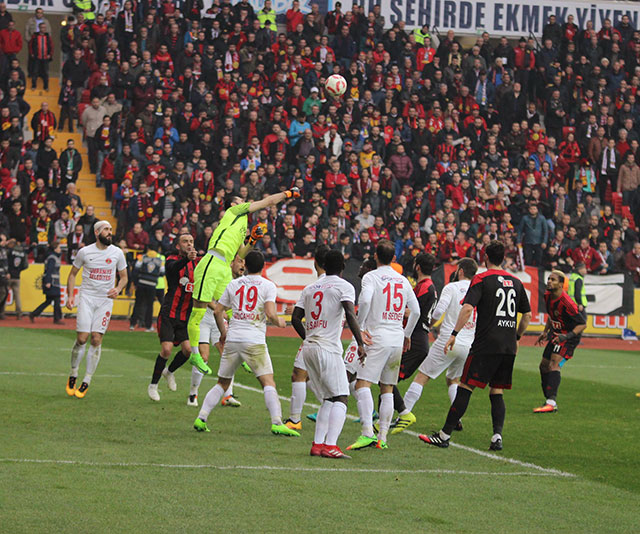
x=254 y=262
x=495 y=252
x=385 y=251
x=334 y=262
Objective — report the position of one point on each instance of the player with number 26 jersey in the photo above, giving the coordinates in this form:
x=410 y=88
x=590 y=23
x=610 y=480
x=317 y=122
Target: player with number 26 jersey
x=498 y=298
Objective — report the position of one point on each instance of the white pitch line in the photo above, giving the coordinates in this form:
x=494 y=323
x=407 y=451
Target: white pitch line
x=20 y=373
x=549 y=471
x=272 y=468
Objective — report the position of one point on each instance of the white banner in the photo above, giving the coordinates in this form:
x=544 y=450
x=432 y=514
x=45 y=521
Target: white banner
x=512 y=18
x=49 y=6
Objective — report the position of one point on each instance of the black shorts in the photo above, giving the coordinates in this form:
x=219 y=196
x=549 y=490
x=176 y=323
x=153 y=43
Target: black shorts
x=173 y=330
x=563 y=349
x=411 y=360
x=493 y=369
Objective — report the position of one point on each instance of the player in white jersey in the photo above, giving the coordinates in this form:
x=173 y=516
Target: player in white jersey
x=323 y=305
x=299 y=375
x=210 y=336
x=384 y=296
x=252 y=300
x=99 y=263
x=437 y=361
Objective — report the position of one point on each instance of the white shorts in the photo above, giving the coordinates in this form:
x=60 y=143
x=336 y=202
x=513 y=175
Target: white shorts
x=299 y=361
x=382 y=365
x=94 y=314
x=256 y=356
x=209 y=333
x=327 y=375
x=437 y=361
x=351 y=362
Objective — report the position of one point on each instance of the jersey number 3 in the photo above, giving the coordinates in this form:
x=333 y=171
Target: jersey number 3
x=317 y=296
x=507 y=304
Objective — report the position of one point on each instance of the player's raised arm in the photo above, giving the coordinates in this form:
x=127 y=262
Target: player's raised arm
x=272 y=200
x=296 y=322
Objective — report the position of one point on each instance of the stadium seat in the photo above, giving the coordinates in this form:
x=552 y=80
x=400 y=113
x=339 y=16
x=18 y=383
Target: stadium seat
x=566 y=130
x=616 y=201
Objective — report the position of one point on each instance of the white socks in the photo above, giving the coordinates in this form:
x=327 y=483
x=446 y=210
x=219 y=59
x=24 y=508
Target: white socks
x=93 y=358
x=229 y=389
x=77 y=353
x=453 y=389
x=352 y=389
x=386 y=413
x=365 y=410
x=273 y=404
x=336 y=422
x=196 y=378
x=322 y=422
x=212 y=399
x=298 y=396
x=412 y=395
x=496 y=437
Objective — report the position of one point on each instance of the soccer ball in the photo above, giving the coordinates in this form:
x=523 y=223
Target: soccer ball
x=336 y=85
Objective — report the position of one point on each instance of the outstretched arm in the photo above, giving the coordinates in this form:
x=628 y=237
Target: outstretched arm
x=272 y=200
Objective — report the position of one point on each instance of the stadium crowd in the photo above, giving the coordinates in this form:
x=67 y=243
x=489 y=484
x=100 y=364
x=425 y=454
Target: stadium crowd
x=439 y=148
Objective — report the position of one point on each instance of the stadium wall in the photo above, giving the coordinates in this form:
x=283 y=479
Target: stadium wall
x=612 y=299
x=509 y=18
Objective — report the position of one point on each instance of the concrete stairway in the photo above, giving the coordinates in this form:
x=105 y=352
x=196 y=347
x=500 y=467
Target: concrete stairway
x=87 y=189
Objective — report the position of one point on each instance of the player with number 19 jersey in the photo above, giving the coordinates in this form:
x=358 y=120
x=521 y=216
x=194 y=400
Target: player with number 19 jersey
x=501 y=296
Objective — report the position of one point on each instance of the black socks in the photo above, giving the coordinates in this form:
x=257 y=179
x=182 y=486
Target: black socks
x=158 y=368
x=178 y=361
x=498 y=411
x=457 y=410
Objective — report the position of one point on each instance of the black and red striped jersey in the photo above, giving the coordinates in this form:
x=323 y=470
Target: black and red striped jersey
x=177 y=301
x=563 y=312
x=427 y=295
x=498 y=297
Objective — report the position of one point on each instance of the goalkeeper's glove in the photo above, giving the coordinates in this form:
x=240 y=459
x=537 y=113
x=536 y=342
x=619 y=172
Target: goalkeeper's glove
x=294 y=192
x=257 y=233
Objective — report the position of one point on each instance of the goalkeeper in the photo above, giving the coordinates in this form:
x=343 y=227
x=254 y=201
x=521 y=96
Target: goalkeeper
x=213 y=272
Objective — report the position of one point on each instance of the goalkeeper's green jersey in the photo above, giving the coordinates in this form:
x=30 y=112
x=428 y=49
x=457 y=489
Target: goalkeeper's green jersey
x=231 y=232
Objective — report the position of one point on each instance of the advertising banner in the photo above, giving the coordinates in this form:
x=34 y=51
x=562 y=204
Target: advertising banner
x=612 y=299
x=49 y=6
x=510 y=18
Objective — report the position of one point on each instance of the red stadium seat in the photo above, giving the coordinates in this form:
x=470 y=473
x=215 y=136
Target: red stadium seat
x=566 y=130
x=616 y=201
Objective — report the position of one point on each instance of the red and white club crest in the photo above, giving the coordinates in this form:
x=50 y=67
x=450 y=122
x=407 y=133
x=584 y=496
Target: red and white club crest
x=108 y=260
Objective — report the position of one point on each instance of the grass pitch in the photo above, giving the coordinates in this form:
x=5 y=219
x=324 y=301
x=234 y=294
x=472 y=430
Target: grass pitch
x=118 y=462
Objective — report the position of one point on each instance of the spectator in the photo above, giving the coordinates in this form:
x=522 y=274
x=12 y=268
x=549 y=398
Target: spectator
x=137 y=238
x=632 y=263
x=533 y=234
x=628 y=179
x=40 y=54
x=10 y=40
x=148 y=268
x=92 y=119
x=51 y=285
x=18 y=261
x=4 y=274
